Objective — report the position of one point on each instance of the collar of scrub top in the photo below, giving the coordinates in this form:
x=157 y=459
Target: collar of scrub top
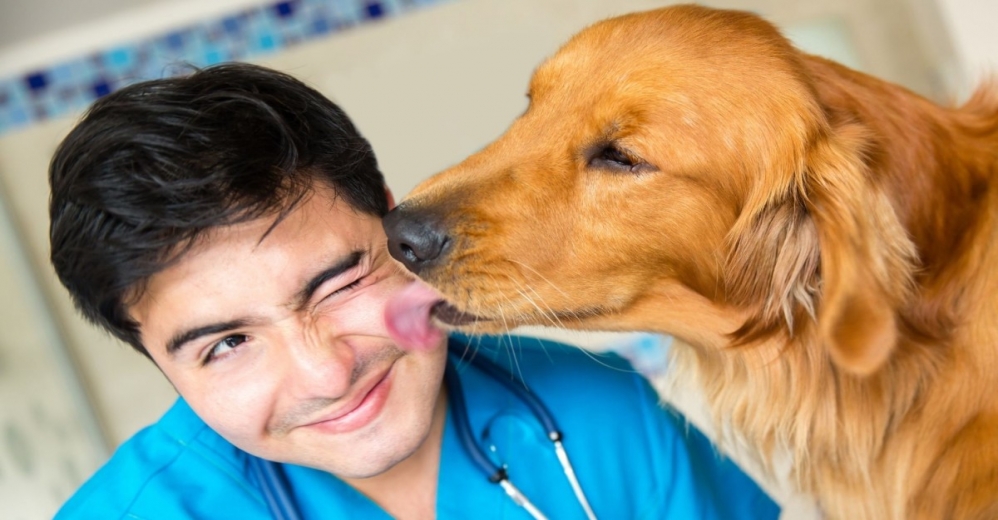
x=277 y=490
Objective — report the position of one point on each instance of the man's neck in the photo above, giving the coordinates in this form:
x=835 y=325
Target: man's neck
x=408 y=491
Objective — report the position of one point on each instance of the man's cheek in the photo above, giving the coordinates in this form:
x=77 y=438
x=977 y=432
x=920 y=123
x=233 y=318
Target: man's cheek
x=407 y=317
x=239 y=413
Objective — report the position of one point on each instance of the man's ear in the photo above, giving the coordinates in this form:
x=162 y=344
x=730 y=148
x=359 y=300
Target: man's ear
x=390 y=197
x=867 y=258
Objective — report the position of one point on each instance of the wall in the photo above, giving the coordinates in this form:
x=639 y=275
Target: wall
x=23 y=20
x=972 y=26
x=48 y=440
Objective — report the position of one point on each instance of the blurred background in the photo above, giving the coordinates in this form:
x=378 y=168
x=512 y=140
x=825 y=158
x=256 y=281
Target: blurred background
x=427 y=81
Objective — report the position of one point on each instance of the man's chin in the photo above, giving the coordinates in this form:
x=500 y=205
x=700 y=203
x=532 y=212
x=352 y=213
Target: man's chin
x=368 y=469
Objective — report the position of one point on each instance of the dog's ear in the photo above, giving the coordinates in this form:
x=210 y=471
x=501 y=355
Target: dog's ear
x=866 y=255
x=828 y=248
x=772 y=266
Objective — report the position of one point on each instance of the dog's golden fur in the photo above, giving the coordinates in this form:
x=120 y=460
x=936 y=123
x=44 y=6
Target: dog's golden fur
x=825 y=241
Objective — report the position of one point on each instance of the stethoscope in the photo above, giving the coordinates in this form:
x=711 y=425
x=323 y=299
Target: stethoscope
x=277 y=490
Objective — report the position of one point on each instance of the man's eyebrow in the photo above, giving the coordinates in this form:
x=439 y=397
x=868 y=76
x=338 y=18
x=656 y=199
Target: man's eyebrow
x=182 y=338
x=339 y=267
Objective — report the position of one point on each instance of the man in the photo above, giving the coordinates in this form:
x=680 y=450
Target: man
x=227 y=226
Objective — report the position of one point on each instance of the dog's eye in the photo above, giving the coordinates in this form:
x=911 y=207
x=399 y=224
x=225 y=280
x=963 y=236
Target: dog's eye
x=612 y=158
x=611 y=154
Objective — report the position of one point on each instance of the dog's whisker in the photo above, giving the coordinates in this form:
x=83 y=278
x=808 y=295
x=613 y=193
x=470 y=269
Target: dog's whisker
x=548 y=314
x=539 y=275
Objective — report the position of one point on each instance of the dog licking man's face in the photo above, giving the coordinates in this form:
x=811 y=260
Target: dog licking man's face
x=622 y=180
x=686 y=171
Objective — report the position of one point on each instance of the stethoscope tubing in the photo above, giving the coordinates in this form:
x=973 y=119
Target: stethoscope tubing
x=516 y=386
x=497 y=474
x=275 y=487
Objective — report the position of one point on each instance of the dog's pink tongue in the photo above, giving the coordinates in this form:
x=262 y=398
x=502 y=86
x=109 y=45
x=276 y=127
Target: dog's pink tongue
x=407 y=317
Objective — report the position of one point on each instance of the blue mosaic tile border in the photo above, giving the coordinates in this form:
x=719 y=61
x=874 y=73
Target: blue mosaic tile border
x=72 y=85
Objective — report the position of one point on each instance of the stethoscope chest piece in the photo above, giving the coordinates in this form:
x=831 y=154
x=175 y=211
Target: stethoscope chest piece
x=490 y=457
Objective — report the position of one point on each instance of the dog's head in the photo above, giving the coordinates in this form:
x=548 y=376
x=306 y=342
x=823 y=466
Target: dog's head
x=683 y=147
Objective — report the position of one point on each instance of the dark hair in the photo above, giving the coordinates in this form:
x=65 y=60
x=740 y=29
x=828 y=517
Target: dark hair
x=154 y=165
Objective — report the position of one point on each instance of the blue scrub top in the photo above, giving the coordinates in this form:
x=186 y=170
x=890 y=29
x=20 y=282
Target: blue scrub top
x=633 y=458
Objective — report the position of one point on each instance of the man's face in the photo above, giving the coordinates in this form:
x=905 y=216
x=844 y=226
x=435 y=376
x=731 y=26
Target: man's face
x=277 y=340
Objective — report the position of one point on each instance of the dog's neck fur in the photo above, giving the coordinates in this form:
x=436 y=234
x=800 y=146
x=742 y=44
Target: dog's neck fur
x=941 y=175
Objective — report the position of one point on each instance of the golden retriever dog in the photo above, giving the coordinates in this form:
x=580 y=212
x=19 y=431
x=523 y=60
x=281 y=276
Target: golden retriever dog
x=825 y=242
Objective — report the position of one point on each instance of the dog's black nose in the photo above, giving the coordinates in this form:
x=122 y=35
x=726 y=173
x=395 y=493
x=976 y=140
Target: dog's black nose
x=415 y=238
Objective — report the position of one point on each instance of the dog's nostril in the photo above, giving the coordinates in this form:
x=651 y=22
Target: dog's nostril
x=409 y=254
x=416 y=239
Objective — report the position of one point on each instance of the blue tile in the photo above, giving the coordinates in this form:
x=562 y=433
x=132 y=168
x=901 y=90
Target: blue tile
x=36 y=81
x=119 y=58
x=394 y=7
x=374 y=10
x=143 y=55
x=214 y=56
x=267 y=42
x=320 y=26
x=348 y=12
x=197 y=45
x=238 y=53
x=285 y=9
x=216 y=34
x=68 y=95
x=175 y=40
x=100 y=89
x=232 y=24
x=61 y=74
x=17 y=116
x=58 y=109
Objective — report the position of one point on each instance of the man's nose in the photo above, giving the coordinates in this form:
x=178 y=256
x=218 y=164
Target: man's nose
x=321 y=365
x=416 y=238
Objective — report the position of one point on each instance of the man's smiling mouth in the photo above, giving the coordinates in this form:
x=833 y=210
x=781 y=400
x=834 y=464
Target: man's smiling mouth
x=359 y=410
